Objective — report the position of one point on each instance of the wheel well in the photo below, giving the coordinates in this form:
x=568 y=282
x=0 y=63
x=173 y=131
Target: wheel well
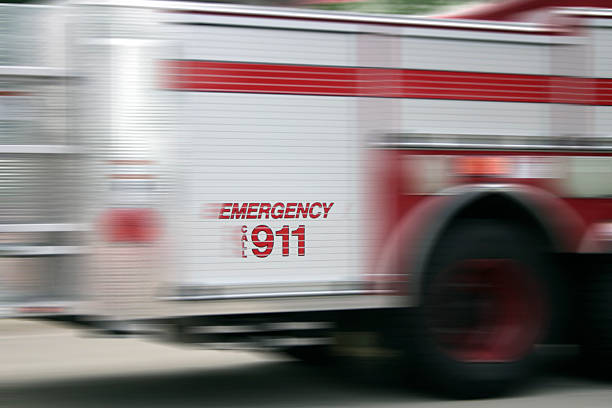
x=503 y=207
x=495 y=206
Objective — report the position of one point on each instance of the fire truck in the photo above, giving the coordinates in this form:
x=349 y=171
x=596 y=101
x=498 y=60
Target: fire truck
x=435 y=191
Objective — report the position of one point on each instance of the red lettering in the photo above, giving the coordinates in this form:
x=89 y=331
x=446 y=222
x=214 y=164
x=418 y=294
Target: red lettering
x=284 y=234
x=276 y=211
x=238 y=212
x=266 y=245
x=278 y=214
x=326 y=209
x=264 y=208
x=224 y=207
x=244 y=240
x=289 y=210
x=244 y=248
x=251 y=210
x=300 y=232
x=301 y=209
x=313 y=215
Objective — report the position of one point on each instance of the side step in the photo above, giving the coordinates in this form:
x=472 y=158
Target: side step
x=262 y=335
x=262 y=327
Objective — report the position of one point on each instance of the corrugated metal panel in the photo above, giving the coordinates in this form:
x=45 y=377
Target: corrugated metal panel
x=602 y=68
x=32 y=35
x=37 y=189
x=39 y=162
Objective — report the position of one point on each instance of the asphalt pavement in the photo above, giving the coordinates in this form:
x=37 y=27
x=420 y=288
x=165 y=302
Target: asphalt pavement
x=45 y=365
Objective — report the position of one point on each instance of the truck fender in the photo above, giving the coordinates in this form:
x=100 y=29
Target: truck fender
x=403 y=260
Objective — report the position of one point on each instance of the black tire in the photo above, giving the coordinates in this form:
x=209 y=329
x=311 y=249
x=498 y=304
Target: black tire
x=312 y=355
x=470 y=349
x=597 y=341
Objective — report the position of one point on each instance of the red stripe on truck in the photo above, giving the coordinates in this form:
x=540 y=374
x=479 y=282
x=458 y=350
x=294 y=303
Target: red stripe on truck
x=244 y=77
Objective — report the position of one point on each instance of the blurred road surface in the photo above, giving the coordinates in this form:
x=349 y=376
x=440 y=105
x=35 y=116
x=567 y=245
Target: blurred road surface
x=43 y=365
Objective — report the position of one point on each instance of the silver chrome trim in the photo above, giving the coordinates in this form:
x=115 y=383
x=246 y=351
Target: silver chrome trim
x=586 y=11
x=44 y=6
x=275 y=295
x=253 y=289
x=297 y=341
x=263 y=344
x=224 y=307
x=230 y=345
x=282 y=326
x=263 y=327
x=276 y=12
x=488 y=146
x=227 y=329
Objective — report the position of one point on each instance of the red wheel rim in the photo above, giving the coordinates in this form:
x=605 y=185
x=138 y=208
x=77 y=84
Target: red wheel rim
x=485 y=310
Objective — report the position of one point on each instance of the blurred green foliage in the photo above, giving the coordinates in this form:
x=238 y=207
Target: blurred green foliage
x=361 y=6
x=394 y=6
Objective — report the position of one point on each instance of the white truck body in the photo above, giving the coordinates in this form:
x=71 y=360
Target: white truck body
x=260 y=126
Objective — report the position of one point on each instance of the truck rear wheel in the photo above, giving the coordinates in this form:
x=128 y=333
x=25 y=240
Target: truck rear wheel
x=486 y=302
x=315 y=355
x=597 y=342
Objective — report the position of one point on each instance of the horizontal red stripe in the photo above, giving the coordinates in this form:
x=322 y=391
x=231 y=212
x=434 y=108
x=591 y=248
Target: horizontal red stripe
x=476 y=76
x=604 y=91
x=230 y=79
x=254 y=88
x=204 y=72
x=213 y=76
